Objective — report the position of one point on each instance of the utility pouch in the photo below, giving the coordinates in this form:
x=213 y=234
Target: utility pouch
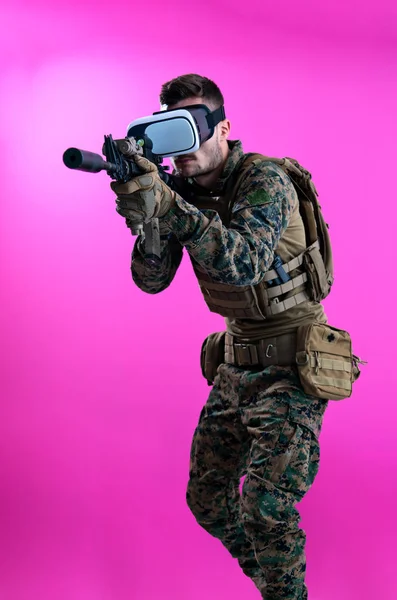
x=318 y=285
x=326 y=365
x=212 y=355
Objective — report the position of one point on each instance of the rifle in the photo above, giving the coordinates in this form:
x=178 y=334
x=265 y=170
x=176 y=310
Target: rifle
x=120 y=166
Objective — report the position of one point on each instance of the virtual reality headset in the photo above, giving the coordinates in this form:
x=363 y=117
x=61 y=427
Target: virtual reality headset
x=177 y=131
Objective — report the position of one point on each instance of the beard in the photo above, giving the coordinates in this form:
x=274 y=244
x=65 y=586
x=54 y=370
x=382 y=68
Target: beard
x=212 y=159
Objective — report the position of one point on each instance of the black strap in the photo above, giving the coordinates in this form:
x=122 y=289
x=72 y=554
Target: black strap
x=216 y=116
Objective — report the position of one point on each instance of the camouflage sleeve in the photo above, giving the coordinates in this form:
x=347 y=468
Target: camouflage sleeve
x=241 y=253
x=155 y=279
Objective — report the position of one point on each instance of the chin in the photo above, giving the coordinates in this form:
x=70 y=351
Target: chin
x=187 y=170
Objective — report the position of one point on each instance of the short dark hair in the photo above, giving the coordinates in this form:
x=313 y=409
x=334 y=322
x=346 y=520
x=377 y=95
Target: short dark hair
x=191 y=86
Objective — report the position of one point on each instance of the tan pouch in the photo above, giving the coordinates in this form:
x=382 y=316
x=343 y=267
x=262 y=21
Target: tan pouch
x=212 y=355
x=326 y=365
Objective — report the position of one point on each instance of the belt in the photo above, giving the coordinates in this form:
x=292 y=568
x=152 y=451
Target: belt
x=279 y=350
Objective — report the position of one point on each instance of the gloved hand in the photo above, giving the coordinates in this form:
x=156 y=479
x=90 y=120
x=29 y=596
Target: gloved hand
x=145 y=196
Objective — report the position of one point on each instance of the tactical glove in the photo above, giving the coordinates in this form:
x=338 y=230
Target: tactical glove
x=145 y=196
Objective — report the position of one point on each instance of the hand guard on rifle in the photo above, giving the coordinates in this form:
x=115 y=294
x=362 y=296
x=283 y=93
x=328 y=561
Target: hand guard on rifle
x=145 y=196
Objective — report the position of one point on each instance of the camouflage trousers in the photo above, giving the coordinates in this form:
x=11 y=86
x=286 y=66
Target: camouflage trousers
x=261 y=425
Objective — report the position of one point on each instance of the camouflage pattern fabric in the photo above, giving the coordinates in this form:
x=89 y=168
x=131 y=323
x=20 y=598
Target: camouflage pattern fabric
x=259 y=424
x=238 y=255
x=153 y=279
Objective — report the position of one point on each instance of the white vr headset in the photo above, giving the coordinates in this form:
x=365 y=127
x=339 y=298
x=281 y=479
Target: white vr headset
x=177 y=131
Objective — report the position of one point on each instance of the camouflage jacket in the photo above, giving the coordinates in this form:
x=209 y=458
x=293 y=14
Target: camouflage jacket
x=239 y=254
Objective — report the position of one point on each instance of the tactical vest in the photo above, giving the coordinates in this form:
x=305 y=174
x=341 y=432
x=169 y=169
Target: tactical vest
x=310 y=274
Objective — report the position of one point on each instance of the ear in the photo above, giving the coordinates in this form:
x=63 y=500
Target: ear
x=224 y=128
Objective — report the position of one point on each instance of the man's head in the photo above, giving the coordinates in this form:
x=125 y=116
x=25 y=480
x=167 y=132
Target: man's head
x=211 y=156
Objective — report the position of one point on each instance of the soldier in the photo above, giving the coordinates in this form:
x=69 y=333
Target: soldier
x=238 y=216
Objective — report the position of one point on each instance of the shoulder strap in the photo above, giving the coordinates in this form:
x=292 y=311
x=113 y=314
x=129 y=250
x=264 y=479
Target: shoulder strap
x=315 y=226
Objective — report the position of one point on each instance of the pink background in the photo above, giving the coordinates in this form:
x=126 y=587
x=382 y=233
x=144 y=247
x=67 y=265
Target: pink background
x=100 y=384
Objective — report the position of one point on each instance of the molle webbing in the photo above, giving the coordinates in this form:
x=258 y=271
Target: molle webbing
x=241 y=302
x=312 y=269
x=244 y=301
x=327 y=367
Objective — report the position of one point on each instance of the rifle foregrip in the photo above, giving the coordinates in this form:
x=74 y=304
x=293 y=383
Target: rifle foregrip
x=152 y=242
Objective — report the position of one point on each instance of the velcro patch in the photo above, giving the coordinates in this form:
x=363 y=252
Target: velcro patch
x=259 y=197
